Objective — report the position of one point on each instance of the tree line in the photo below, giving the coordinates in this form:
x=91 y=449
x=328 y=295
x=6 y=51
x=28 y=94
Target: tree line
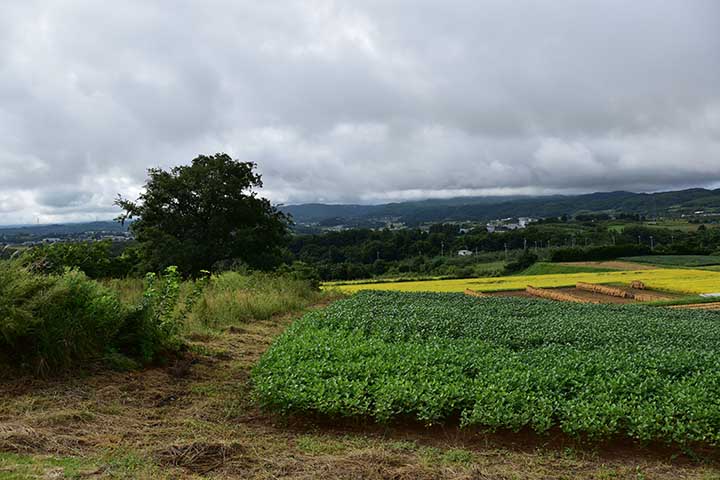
x=209 y=216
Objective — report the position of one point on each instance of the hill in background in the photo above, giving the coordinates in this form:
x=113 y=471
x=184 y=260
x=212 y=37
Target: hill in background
x=673 y=204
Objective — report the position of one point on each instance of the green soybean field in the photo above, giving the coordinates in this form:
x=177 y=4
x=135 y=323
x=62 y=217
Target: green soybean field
x=592 y=371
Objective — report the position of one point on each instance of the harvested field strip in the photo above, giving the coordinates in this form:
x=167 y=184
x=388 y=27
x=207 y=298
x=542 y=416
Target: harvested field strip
x=473 y=293
x=698 y=306
x=690 y=281
x=553 y=295
x=649 y=297
x=613 y=292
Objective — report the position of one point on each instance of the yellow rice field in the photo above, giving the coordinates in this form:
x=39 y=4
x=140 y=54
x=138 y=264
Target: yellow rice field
x=689 y=281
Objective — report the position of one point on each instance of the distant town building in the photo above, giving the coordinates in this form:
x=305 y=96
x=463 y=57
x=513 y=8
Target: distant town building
x=465 y=253
x=525 y=221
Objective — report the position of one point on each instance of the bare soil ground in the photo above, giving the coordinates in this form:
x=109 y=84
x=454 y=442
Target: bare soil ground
x=594 y=296
x=196 y=418
x=613 y=264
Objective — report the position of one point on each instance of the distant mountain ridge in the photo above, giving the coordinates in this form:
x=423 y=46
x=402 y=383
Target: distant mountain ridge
x=63 y=228
x=671 y=203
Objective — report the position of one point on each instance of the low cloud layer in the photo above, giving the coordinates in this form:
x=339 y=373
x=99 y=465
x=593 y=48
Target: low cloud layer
x=356 y=101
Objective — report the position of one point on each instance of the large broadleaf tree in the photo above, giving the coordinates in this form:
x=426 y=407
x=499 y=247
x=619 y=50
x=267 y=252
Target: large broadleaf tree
x=208 y=213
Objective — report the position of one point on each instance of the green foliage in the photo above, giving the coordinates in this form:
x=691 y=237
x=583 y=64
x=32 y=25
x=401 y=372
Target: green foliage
x=301 y=271
x=609 y=252
x=206 y=213
x=53 y=322
x=50 y=323
x=543 y=268
x=590 y=370
x=92 y=258
x=231 y=298
x=524 y=261
x=152 y=328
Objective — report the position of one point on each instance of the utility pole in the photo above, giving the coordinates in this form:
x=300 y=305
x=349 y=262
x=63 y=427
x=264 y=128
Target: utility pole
x=524 y=243
x=652 y=243
x=506 y=252
x=442 y=249
x=639 y=241
x=377 y=255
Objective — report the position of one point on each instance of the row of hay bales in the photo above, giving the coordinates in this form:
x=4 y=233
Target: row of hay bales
x=604 y=290
x=618 y=292
x=594 y=288
x=473 y=293
x=555 y=295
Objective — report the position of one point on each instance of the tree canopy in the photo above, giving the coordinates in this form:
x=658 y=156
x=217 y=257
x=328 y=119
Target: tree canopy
x=200 y=215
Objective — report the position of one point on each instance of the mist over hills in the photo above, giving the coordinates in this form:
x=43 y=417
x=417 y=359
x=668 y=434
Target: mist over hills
x=671 y=203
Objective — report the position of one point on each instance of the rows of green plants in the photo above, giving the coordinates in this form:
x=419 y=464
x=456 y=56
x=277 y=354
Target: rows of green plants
x=590 y=370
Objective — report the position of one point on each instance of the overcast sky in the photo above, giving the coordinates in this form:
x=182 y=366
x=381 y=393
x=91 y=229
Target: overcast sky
x=356 y=101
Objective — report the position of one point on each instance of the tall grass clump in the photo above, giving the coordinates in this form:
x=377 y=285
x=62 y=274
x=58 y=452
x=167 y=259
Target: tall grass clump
x=50 y=323
x=234 y=297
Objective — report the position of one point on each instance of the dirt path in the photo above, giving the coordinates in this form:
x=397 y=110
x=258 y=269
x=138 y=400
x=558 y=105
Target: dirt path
x=196 y=419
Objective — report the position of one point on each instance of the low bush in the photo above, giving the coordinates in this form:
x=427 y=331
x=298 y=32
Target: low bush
x=524 y=261
x=50 y=323
x=95 y=259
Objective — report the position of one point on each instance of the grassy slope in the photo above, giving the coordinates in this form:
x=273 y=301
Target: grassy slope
x=544 y=268
x=197 y=420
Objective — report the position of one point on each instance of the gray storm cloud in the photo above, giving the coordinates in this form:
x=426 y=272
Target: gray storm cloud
x=360 y=101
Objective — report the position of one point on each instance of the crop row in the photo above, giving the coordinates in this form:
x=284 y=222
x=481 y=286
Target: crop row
x=675 y=279
x=594 y=370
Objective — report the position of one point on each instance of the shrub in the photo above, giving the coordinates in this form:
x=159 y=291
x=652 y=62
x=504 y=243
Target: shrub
x=524 y=261
x=95 y=259
x=56 y=321
x=53 y=322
